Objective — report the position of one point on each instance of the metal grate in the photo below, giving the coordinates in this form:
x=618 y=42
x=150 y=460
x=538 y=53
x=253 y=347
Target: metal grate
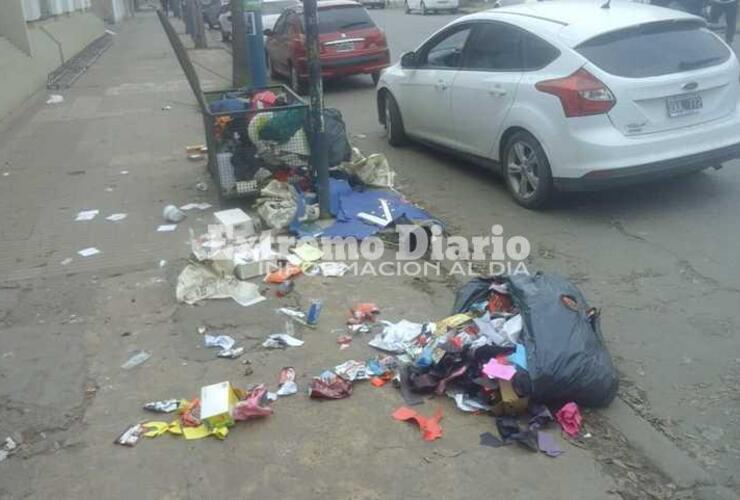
x=67 y=74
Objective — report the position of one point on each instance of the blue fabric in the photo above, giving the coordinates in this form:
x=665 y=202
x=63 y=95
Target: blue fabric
x=519 y=357
x=230 y=105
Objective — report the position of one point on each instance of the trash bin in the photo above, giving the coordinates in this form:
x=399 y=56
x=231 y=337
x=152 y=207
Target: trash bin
x=250 y=133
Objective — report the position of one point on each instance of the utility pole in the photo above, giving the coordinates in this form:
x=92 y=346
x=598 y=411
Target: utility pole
x=240 y=55
x=319 y=152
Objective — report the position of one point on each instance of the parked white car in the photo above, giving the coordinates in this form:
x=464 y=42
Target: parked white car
x=427 y=6
x=569 y=95
x=271 y=10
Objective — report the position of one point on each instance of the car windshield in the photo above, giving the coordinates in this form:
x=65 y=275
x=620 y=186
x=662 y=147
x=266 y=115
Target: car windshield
x=272 y=8
x=343 y=19
x=655 y=49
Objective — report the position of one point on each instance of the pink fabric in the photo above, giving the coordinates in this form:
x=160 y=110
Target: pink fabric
x=253 y=406
x=569 y=418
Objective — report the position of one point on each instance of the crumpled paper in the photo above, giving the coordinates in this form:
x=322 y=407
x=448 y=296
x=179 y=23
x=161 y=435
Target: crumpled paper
x=255 y=406
x=397 y=337
x=373 y=170
x=198 y=282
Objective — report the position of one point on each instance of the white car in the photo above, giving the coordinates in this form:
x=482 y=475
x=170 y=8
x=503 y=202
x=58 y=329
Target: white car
x=271 y=10
x=427 y=6
x=569 y=95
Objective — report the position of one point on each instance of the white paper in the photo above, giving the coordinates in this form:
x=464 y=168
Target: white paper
x=115 y=217
x=225 y=342
x=66 y=261
x=397 y=337
x=86 y=215
x=276 y=339
x=55 y=99
x=87 y=252
x=124 y=172
x=333 y=269
x=166 y=228
x=289 y=387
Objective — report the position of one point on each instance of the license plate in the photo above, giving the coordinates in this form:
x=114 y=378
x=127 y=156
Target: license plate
x=681 y=105
x=344 y=47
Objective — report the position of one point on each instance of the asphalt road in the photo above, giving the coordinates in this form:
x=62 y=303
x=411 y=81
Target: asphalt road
x=660 y=259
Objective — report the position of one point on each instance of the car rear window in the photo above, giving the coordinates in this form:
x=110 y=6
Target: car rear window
x=350 y=18
x=655 y=49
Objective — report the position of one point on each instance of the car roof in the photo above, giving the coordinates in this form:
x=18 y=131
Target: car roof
x=575 y=21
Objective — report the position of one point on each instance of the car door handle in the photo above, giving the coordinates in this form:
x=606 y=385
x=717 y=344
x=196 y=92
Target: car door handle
x=440 y=85
x=497 y=92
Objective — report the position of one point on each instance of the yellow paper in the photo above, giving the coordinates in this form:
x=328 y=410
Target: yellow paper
x=308 y=253
x=196 y=432
x=155 y=428
x=451 y=322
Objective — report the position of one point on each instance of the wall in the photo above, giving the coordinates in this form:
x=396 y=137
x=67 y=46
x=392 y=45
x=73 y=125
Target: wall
x=13 y=25
x=24 y=75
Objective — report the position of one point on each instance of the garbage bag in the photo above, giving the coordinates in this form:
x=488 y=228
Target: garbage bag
x=282 y=126
x=336 y=137
x=474 y=291
x=277 y=204
x=566 y=355
x=374 y=170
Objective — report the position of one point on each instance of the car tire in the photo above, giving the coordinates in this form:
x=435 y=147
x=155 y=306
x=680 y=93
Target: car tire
x=527 y=171
x=424 y=10
x=393 y=122
x=376 y=77
x=406 y=7
x=298 y=85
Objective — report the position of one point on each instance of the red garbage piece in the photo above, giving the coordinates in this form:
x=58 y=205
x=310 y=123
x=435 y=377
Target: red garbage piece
x=569 y=418
x=264 y=99
x=429 y=427
x=363 y=313
x=284 y=273
x=255 y=406
x=334 y=388
x=190 y=414
x=382 y=379
x=500 y=303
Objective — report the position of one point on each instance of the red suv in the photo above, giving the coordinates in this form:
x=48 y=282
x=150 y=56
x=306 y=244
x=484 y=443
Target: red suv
x=350 y=43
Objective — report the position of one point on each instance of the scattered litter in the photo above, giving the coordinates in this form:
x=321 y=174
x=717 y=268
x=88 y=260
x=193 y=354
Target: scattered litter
x=130 y=436
x=201 y=186
x=293 y=313
x=196 y=157
x=509 y=430
x=236 y=223
x=329 y=386
x=286 y=382
x=344 y=341
x=314 y=311
x=198 y=148
x=8 y=447
x=255 y=406
x=110 y=32
x=166 y=228
x=162 y=263
x=115 y=217
x=548 y=445
x=352 y=370
x=124 y=172
x=55 y=99
x=86 y=215
x=217 y=405
x=136 y=359
x=429 y=427
x=198 y=282
x=5 y=174
x=280 y=341
x=333 y=269
x=88 y=252
x=282 y=274
x=397 y=337
x=163 y=406
x=231 y=353
x=225 y=342
x=172 y=214
x=308 y=253
x=285 y=288
x=109 y=189
x=363 y=313
x=569 y=418
x=166 y=107
x=469 y=404
x=199 y=206
x=495 y=369
x=66 y=261
x=488 y=439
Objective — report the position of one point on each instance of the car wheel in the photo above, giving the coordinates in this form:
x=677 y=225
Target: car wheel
x=298 y=85
x=406 y=7
x=423 y=9
x=527 y=170
x=376 y=77
x=393 y=122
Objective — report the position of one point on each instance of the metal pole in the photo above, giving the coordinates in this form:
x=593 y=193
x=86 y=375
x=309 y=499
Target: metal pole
x=319 y=152
x=200 y=29
x=255 y=43
x=240 y=55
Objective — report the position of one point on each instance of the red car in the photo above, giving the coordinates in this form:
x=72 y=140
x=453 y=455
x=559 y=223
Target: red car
x=350 y=43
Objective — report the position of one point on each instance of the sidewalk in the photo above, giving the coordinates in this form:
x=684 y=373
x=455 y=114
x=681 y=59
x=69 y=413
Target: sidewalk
x=68 y=328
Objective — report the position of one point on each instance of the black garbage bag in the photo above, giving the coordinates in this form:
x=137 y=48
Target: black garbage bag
x=566 y=356
x=474 y=291
x=336 y=137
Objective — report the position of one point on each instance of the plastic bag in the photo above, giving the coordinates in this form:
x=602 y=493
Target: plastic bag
x=336 y=137
x=566 y=355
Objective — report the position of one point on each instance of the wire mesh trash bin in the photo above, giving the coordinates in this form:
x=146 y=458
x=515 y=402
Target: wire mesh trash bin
x=251 y=133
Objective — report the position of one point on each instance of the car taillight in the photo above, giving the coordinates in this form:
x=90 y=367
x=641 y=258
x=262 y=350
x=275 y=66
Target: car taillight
x=581 y=94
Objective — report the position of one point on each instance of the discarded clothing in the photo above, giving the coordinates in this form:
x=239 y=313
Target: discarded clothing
x=569 y=418
x=429 y=427
x=488 y=439
x=547 y=444
x=255 y=406
x=329 y=386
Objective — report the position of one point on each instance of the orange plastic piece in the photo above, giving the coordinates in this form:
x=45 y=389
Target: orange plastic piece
x=429 y=427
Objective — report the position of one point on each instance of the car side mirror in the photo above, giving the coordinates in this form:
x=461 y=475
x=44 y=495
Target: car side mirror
x=408 y=60
x=268 y=32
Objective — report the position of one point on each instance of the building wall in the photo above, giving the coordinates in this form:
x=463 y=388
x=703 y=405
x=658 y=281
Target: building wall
x=13 y=25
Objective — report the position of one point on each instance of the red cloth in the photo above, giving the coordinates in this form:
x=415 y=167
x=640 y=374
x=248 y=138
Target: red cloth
x=255 y=406
x=569 y=418
x=429 y=427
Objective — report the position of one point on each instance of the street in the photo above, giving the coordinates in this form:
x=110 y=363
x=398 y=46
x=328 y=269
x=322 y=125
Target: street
x=659 y=260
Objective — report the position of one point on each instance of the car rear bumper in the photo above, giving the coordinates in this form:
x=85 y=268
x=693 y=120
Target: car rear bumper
x=351 y=65
x=602 y=179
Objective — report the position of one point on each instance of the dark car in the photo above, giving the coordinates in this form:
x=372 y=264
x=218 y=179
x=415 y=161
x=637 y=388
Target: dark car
x=350 y=43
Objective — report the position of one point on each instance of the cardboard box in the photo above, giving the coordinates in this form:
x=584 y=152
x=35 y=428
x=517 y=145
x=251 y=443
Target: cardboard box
x=217 y=403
